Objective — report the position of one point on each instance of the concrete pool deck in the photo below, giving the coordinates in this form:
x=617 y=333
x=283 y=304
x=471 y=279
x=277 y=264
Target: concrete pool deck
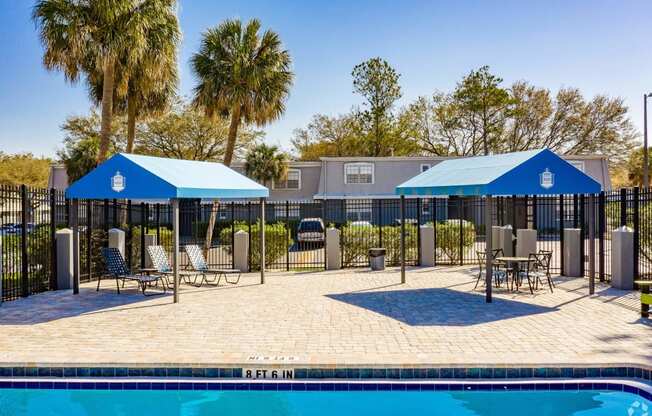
x=326 y=319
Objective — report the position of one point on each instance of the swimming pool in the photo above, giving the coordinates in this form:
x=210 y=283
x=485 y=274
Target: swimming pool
x=378 y=399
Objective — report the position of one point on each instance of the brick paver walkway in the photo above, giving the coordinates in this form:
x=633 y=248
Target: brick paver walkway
x=350 y=317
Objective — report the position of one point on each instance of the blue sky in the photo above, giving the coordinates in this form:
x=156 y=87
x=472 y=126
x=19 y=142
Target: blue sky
x=598 y=46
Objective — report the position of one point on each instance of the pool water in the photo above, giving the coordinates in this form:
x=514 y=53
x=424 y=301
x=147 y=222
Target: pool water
x=19 y=402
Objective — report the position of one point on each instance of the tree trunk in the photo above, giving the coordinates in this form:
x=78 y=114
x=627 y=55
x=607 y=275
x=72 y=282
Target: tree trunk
x=131 y=124
x=107 y=109
x=228 y=157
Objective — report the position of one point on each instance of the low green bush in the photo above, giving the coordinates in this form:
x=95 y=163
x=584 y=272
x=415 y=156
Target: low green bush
x=448 y=237
x=356 y=241
x=276 y=241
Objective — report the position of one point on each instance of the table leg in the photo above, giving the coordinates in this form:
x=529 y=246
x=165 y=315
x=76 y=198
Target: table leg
x=645 y=308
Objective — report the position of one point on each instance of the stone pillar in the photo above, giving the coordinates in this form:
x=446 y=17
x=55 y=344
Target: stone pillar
x=333 y=250
x=65 y=259
x=241 y=250
x=526 y=242
x=150 y=240
x=496 y=237
x=427 y=248
x=117 y=240
x=572 y=253
x=622 y=260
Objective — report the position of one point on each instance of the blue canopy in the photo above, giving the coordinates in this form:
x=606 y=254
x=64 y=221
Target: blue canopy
x=534 y=172
x=128 y=176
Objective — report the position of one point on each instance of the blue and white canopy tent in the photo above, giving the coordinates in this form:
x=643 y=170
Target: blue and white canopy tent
x=534 y=172
x=128 y=176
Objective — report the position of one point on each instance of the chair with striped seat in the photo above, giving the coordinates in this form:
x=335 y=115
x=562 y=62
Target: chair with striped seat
x=117 y=268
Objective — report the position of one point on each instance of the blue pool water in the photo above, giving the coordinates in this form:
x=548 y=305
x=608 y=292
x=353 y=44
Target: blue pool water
x=19 y=402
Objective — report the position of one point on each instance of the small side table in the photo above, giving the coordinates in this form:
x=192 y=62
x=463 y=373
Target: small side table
x=646 y=297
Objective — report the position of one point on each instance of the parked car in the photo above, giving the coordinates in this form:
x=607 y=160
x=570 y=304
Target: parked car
x=360 y=224
x=16 y=228
x=310 y=230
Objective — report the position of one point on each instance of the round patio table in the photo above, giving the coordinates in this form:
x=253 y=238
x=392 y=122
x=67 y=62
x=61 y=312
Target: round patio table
x=516 y=261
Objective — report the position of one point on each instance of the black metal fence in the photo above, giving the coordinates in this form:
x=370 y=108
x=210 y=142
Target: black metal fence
x=295 y=231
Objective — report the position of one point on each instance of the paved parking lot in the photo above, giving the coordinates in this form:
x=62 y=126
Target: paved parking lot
x=348 y=317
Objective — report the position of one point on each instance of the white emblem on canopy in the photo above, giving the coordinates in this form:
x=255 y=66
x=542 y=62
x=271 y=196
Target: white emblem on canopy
x=546 y=179
x=118 y=182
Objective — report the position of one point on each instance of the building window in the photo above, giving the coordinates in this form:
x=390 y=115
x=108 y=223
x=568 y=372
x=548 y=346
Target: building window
x=291 y=181
x=292 y=211
x=425 y=167
x=579 y=164
x=358 y=210
x=357 y=173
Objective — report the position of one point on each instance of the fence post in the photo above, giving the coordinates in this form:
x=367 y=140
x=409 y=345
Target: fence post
x=116 y=222
x=232 y=231
x=287 y=235
x=129 y=235
x=142 y=235
x=601 y=234
x=459 y=216
x=637 y=234
x=623 y=206
x=582 y=220
x=418 y=231
x=323 y=215
x=561 y=232
x=53 y=243
x=106 y=215
x=158 y=224
x=89 y=236
x=24 y=277
x=433 y=201
x=249 y=231
x=380 y=222
x=535 y=218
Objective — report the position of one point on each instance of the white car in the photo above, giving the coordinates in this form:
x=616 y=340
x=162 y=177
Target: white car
x=310 y=230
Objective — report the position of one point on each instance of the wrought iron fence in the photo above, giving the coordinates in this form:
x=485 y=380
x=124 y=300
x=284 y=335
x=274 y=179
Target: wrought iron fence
x=295 y=230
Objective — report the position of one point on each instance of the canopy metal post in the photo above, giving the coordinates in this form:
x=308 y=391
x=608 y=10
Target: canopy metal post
x=488 y=249
x=75 y=246
x=175 y=247
x=591 y=244
x=402 y=238
x=262 y=240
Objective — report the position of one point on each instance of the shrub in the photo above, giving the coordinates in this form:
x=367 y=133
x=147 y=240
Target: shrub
x=448 y=237
x=276 y=241
x=356 y=241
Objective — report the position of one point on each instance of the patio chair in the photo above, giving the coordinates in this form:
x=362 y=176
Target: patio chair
x=538 y=268
x=117 y=268
x=496 y=274
x=162 y=265
x=198 y=262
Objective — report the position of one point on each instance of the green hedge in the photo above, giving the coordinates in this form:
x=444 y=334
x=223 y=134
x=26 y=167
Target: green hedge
x=356 y=241
x=276 y=241
x=448 y=237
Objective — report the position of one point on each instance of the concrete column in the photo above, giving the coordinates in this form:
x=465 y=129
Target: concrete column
x=150 y=240
x=496 y=236
x=241 y=250
x=427 y=237
x=572 y=253
x=333 y=250
x=622 y=261
x=117 y=240
x=65 y=260
x=526 y=242
x=507 y=240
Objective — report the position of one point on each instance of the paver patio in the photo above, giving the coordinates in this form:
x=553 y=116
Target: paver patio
x=348 y=317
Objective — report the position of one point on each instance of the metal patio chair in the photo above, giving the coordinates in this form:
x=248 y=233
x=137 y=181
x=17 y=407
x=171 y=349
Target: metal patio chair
x=162 y=265
x=117 y=268
x=538 y=268
x=198 y=262
x=497 y=274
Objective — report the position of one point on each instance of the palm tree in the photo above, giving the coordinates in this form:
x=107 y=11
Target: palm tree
x=266 y=163
x=96 y=37
x=244 y=75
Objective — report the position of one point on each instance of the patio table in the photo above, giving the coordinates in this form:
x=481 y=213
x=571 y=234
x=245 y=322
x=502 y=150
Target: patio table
x=516 y=262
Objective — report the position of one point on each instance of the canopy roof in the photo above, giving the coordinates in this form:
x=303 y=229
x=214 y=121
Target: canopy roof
x=129 y=176
x=534 y=172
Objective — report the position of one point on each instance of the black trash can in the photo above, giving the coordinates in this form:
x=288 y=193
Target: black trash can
x=377 y=258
